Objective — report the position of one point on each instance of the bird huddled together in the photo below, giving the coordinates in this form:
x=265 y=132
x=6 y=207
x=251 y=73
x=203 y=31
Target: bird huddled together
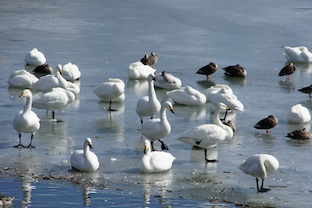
x=51 y=92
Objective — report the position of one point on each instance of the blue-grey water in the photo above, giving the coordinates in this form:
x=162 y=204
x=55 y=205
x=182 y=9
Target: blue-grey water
x=103 y=38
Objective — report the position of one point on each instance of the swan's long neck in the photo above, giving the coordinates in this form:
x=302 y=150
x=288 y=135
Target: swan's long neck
x=62 y=81
x=27 y=106
x=217 y=121
x=151 y=91
x=86 y=150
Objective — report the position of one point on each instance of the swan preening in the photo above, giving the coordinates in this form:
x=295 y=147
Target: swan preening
x=187 y=96
x=138 y=70
x=71 y=72
x=148 y=105
x=260 y=166
x=21 y=79
x=111 y=91
x=35 y=58
x=267 y=123
x=208 y=135
x=155 y=161
x=85 y=160
x=157 y=128
x=26 y=120
x=298 y=114
x=299 y=54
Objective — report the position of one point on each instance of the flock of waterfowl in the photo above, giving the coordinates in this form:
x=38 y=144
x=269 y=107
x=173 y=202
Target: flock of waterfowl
x=57 y=91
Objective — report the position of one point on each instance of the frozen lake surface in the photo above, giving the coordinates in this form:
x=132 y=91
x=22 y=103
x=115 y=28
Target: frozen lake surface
x=103 y=38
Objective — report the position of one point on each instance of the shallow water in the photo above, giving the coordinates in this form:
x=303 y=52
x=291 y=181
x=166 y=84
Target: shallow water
x=103 y=38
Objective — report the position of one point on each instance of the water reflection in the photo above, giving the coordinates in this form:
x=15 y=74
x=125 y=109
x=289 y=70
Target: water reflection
x=27 y=188
x=287 y=85
x=266 y=138
x=157 y=186
x=240 y=81
x=87 y=191
x=197 y=156
x=205 y=83
x=190 y=112
x=138 y=87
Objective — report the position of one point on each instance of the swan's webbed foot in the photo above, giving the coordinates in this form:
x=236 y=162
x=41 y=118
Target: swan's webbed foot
x=263 y=190
x=30 y=146
x=212 y=161
x=19 y=145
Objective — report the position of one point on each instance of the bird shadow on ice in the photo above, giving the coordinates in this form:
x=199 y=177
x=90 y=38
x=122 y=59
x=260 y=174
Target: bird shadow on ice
x=197 y=155
x=266 y=138
x=240 y=81
x=205 y=83
x=287 y=85
x=119 y=107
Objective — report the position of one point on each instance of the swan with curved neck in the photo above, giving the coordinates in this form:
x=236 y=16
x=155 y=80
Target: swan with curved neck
x=148 y=105
x=158 y=128
x=208 y=135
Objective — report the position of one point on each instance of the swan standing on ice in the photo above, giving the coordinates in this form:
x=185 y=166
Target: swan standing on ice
x=187 y=96
x=148 y=105
x=111 y=91
x=208 y=69
x=267 y=123
x=299 y=54
x=167 y=81
x=260 y=166
x=208 y=135
x=21 y=79
x=158 y=128
x=26 y=120
x=298 y=114
x=71 y=72
x=156 y=161
x=35 y=58
x=85 y=160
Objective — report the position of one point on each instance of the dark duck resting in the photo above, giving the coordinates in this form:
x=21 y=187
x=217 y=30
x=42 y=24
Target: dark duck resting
x=145 y=60
x=43 y=69
x=267 y=123
x=208 y=69
x=303 y=134
x=307 y=90
x=287 y=70
x=235 y=71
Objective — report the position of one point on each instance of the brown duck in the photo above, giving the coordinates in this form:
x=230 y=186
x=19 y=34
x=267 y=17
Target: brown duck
x=152 y=59
x=208 y=69
x=267 y=123
x=307 y=90
x=287 y=70
x=303 y=134
x=145 y=60
x=235 y=71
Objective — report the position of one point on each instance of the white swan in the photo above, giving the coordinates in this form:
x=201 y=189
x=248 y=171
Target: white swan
x=148 y=105
x=208 y=135
x=158 y=128
x=26 y=120
x=111 y=91
x=71 y=72
x=35 y=58
x=215 y=89
x=85 y=160
x=298 y=114
x=260 y=166
x=57 y=98
x=226 y=97
x=156 y=161
x=21 y=79
x=299 y=54
x=167 y=81
x=138 y=70
x=187 y=96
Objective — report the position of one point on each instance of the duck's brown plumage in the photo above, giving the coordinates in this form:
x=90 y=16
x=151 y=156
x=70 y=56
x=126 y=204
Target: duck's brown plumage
x=231 y=125
x=208 y=69
x=307 y=90
x=235 y=71
x=145 y=60
x=287 y=70
x=153 y=58
x=303 y=134
x=267 y=123
x=43 y=69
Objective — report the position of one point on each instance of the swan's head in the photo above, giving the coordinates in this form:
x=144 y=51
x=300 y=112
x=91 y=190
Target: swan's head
x=222 y=106
x=26 y=93
x=147 y=145
x=59 y=68
x=88 y=142
x=168 y=105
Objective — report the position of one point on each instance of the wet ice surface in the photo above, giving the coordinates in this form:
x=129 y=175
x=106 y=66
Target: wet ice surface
x=103 y=38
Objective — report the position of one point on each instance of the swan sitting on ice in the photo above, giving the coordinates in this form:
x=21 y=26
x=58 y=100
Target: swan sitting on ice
x=35 y=58
x=298 y=114
x=299 y=54
x=21 y=79
x=111 y=91
x=208 y=135
x=26 y=120
x=85 y=160
x=167 y=81
x=187 y=96
x=138 y=70
x=156 y=161
x=260 y=166
x=71 y=72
